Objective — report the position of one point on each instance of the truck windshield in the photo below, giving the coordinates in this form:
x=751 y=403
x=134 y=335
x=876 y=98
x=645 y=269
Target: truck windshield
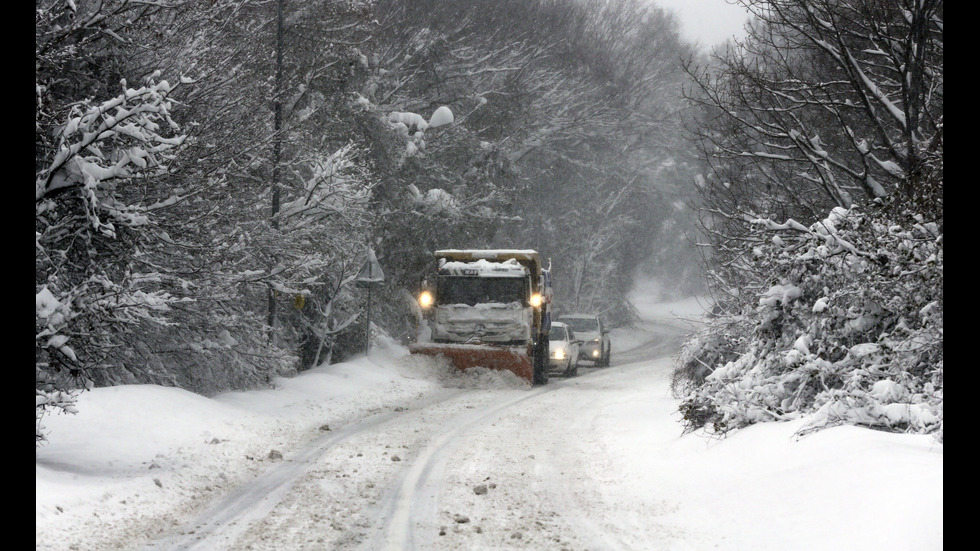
x=481 y=290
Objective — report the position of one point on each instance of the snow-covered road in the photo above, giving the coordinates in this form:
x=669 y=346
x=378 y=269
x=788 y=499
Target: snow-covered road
x=476 y=467
x=395 y=452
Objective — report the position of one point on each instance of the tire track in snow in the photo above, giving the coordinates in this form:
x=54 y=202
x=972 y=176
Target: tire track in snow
x=662 y=340
x=415 y=497
x=221 y=524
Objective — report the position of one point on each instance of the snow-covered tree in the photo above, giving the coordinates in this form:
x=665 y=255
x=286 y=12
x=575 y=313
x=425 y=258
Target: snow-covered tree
x=155 y=245
x=280 y=186
x=825 y=103
x=102 y=158
x=570 y=104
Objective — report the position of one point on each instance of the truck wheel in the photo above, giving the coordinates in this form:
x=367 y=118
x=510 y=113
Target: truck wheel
x=540 y=363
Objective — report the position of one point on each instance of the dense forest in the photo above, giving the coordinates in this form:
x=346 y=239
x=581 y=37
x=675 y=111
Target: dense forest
x=210 y=177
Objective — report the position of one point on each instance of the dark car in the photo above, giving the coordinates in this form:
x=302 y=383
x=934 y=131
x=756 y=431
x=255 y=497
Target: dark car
x=595 y=336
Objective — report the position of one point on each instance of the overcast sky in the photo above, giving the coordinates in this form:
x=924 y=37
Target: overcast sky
x=707 y=22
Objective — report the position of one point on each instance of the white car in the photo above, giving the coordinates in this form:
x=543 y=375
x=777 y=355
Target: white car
x=595 y=336
x=564 y=349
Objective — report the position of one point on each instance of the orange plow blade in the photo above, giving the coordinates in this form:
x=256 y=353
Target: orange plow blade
x=465 y=356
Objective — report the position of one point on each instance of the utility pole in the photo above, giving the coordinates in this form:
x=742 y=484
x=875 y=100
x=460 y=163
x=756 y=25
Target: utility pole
x=276 y=152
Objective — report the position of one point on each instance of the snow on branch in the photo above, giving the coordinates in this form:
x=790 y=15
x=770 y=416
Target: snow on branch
x=126 y=136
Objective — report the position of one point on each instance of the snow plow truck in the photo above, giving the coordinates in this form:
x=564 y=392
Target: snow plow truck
x=489 y=308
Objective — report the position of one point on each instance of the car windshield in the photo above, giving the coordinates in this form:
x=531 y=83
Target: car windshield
x=584 y=325
x=557 y=333
x=481 y=290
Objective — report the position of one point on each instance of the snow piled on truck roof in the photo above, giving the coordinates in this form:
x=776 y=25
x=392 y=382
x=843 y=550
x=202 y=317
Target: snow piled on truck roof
x=484 y=268
x=488 y=253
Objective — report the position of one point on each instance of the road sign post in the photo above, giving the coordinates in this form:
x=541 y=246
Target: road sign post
x=370 y=276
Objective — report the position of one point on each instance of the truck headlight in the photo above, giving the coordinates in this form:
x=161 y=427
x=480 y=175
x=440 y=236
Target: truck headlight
x=426 y=299
x=535 y=300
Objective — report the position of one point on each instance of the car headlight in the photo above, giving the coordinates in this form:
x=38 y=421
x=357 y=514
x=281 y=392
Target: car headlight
x=426 y=299
x=560 y=354
x=595 y=353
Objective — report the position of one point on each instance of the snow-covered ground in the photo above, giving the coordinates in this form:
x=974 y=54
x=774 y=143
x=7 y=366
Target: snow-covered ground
x=594 y=462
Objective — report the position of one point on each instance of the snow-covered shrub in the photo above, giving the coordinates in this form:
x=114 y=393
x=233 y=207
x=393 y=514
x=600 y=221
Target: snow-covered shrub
x=846 y=326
